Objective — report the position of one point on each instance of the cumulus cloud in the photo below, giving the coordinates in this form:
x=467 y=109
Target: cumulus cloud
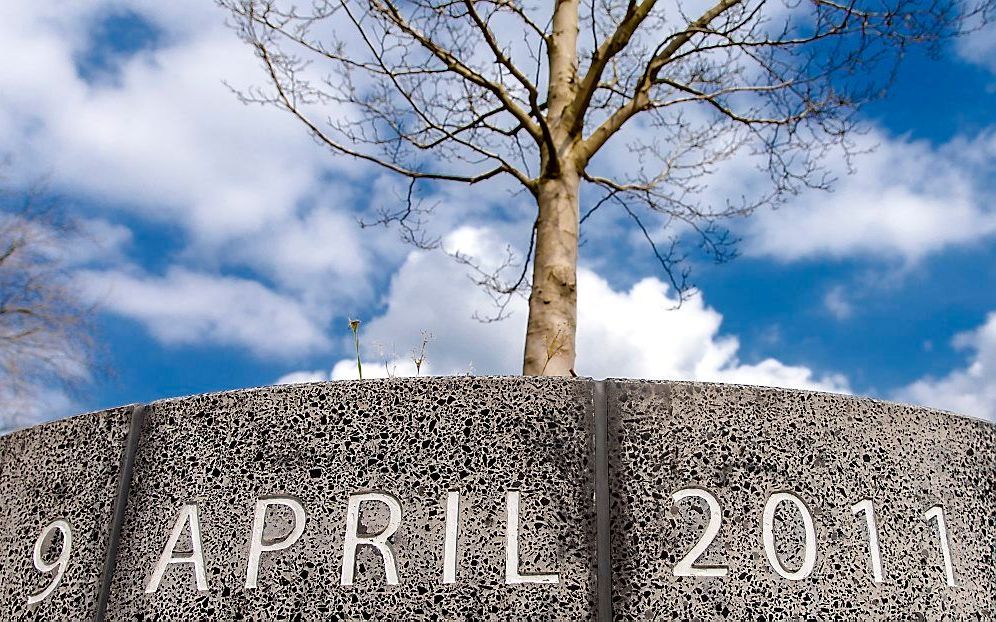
x=634 y=333
x=237 y=189
x=167 y=141
x=321 y=254
x=36 y=404
x=837 y=303
x=183 y=307
x=298 y=377
x=433 y=293
x=167 y=137
x=906 y=200
x=97 y=241
x=639 y=333
x=245 y=186
x=969 y=390
x=980 y=47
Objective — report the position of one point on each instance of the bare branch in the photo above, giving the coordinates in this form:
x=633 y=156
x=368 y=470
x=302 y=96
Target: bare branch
x=473 y=90
x=455 y=65
x=503 y=60
x=603 y=55
x=641 y=97
x=45 y=332
x=339 y=147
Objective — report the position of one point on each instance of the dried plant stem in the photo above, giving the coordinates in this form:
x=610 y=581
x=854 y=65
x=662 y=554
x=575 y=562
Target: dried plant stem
x=354 y=325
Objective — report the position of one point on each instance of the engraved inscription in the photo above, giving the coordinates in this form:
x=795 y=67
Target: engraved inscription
x=452 y=533
x=187 y=526
x=378 y=541
x=686 y=566
x=936 y=514
x=512 y=573
x=768 y=536
x=187 y=515
x=256 y=545
x=43 y=542
x=867 y=508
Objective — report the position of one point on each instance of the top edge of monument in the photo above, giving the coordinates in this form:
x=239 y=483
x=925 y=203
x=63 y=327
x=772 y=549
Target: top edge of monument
x=538 y=381
x=773 y=389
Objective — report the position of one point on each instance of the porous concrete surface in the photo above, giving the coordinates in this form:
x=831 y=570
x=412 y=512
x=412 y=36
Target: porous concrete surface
x=743 y=444
x=416 y=439
x=66 y=470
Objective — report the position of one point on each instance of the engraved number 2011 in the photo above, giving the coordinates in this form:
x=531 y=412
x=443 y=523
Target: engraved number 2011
x=687 y=566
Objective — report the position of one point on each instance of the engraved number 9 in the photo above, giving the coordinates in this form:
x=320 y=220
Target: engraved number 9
x=59 y=565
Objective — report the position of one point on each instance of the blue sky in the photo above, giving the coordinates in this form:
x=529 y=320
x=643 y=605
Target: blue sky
x=225 y=251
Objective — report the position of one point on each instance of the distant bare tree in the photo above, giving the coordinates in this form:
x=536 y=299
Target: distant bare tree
x=466 y=91
x=45 y=338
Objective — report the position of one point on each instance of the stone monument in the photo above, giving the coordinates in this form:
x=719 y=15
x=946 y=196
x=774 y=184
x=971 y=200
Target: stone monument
x=478 y=498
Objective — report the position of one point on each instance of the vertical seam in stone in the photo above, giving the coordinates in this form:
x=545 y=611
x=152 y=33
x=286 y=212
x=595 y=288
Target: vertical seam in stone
x=603 y=506
x=120 y=505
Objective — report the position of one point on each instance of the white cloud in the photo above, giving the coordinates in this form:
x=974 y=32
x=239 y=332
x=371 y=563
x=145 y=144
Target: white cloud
x=906 y=200
x=980 y=47
x=168 y=141
x=172 y=141
x=620 y=333
x=320 y=253
x=232 y=186
x=837 y=303
x=97 y=241
x=33 y=405
x=431 y=292
x=298 y=377
x=639 y=334
x=386 y=368
x=189 y=308
x=970 y=390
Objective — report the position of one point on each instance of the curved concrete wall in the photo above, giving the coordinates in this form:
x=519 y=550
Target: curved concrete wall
x=501 y=498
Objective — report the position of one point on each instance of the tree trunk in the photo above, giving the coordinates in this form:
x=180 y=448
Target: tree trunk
x=553 y=301
x=550 y=334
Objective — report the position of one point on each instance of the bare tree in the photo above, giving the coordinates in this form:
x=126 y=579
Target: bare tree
x=466 y=91
x=45 y=338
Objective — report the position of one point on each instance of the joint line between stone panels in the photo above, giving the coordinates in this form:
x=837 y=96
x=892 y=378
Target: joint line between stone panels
x=135 y=427
x=603 y=505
